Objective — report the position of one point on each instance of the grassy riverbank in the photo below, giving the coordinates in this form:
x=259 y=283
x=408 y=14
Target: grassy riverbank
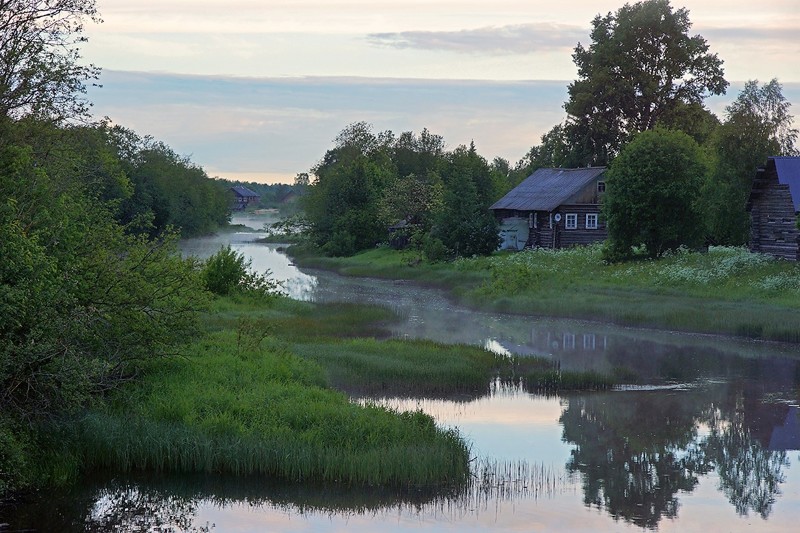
x=259 y=394
x=242 y=401
x=727 y=290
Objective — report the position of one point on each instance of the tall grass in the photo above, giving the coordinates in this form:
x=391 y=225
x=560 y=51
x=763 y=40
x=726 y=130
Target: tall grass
x=727 y=290
x=124 y=444
x=265 y=412
x=369 y=366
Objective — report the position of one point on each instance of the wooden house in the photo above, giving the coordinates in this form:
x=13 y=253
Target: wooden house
x=242 y=197
x=553 y=208
x=773 y=204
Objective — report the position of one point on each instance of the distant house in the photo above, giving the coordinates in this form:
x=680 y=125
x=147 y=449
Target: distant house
x=553 y=208
x=242 y=197
x=290 y=197
x=773 y=204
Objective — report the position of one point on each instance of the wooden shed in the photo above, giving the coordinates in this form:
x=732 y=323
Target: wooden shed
x=242 y=197
x=773 y=205
x=553 y=208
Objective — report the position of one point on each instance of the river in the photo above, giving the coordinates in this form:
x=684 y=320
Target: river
x=707 y=440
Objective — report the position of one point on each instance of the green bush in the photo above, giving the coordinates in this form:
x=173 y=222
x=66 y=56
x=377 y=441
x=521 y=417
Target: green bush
x=434 y=249
x=14 y=469
x=228 y=272
x=224 y=270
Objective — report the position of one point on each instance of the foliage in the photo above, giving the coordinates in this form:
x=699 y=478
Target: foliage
x=553 y=152
x=39 y=58
x=413 y=199
x=228 y=272
x=758 y=125
x=652 y=193
x=642 y=64
x=224 y=270
x=342 y=203
x=170 y=191
x=82 y=302
x=369 y=182
x=464 y=224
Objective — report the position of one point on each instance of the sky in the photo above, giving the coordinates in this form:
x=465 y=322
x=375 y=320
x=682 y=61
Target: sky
x=258 y=89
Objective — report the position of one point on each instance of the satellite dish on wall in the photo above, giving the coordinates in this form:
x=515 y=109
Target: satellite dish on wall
x=557 y=217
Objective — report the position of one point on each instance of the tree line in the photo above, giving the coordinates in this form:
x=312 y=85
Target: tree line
x=436 y=198
x=643 y=73
x=91 y=284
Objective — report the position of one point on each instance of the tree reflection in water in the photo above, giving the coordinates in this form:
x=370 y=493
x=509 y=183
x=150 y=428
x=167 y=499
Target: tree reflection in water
x=636 y=450
x=749 y=473
x=134 y=509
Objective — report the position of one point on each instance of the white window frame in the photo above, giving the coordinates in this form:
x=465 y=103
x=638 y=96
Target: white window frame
x=593 y=218
x=568 y=341
x=571 y=221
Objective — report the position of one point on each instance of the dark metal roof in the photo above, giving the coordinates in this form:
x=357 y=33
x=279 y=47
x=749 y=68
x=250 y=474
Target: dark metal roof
x=244 y=191
x=788 y=170
x=547 y=188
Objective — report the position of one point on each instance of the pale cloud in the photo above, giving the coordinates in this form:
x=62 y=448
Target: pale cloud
x=785 y=35
x=503 y=39
x=511 y=39
x=272 y=128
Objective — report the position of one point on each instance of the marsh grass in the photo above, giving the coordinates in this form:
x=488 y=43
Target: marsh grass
x=727 y=290
x=407 y=367
x=265 y=412
x=293 y=320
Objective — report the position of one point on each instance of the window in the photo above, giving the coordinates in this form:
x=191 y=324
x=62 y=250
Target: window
x=591 y=221
x=601 y=186
x=568 y=341
x=572 y=221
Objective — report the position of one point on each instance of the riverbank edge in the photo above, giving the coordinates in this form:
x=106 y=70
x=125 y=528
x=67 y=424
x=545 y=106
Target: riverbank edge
x=660 y=310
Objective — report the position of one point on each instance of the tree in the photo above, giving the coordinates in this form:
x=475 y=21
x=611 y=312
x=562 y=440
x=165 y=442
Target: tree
x=342 y=202
x=464 y=224
x=553 y=152
x=652 y=194
x=642 y=64
x=40 y=72
x=758 y=125
x=81 y=303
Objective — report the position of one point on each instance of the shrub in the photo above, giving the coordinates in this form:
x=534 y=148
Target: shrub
x=224 y=271
x=228 y=272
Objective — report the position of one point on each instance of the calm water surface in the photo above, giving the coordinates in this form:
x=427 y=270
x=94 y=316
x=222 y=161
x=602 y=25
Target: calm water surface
x=707 y=440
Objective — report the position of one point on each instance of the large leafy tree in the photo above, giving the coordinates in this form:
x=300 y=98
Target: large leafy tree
x=641 y=66
x=652 y=194
x=40 y=70
x=342 y=202
x=758 y=125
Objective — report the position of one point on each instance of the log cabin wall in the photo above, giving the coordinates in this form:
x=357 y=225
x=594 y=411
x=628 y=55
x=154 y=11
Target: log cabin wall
x=773 y=220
